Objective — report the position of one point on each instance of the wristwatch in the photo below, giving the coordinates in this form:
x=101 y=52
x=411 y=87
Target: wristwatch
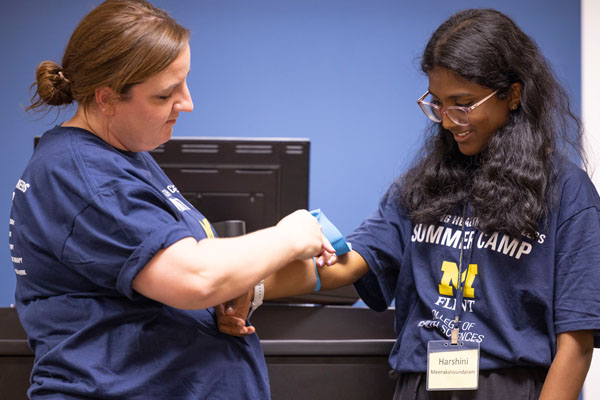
x=259 y=295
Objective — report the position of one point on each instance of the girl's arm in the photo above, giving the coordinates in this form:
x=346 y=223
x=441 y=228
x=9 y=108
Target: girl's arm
x=299 y=277
x=569 y=368
x=296 y=278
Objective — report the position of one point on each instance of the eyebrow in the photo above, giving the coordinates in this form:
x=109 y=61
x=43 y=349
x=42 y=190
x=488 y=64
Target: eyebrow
x=454 y=96
x=174 y=85
x=170 y=87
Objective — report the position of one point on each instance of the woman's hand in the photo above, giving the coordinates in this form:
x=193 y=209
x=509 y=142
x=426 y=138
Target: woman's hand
x=304 y=232
x=231 y=316
x=326 y=258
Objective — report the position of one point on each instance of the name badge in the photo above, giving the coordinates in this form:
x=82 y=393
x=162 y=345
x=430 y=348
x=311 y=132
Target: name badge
x=452 y=367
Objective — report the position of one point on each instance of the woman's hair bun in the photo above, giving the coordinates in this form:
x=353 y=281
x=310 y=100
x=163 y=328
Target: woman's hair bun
x=51 y=86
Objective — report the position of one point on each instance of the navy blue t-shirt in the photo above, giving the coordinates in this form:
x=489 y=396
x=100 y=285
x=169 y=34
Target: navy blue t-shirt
x=85 y=219
x=519 y=293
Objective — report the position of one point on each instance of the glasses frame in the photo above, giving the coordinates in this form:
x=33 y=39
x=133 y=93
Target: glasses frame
x=443 y=110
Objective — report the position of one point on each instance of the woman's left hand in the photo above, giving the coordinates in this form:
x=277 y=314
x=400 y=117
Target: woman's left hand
x=231 y=316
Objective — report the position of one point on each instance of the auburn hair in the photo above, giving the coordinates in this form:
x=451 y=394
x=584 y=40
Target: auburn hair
x=120 y=43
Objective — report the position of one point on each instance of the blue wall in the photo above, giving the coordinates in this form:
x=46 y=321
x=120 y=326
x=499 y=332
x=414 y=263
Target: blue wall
x=343 y=73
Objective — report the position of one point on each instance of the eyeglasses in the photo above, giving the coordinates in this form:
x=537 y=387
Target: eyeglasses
x=456 y=114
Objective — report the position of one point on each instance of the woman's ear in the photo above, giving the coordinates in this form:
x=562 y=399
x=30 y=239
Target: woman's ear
x=106 y=98
x=514 y=95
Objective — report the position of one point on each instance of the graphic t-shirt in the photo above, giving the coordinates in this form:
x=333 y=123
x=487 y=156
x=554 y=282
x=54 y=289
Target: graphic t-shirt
x=519 y=293
x=85 y=219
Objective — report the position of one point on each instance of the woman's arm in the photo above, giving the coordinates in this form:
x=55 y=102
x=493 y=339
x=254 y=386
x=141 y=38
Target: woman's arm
x=193 y=274
x=569 y=368
x=294 y=279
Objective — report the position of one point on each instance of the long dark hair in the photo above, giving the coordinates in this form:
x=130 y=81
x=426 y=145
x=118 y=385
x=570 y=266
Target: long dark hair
x=510 y=183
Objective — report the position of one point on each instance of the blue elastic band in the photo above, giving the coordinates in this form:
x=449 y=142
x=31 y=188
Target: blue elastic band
x=318 y=286
x=332 y=233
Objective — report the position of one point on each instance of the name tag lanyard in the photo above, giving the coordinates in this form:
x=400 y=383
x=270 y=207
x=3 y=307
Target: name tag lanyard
x=460 y=288
x=454 y=365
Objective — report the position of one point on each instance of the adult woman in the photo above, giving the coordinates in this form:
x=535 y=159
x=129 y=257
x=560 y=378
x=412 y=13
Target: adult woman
x=492 y=238
x=108 y=254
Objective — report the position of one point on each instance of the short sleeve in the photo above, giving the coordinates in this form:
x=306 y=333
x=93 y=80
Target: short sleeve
x=381 y=240
x=577 y=290
x=118 y=233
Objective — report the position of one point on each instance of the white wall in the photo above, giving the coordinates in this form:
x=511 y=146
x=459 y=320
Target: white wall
x=590 y=87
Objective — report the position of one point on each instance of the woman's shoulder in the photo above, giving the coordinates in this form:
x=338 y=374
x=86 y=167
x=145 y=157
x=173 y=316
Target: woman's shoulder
x=53 y=153
x=78 y=156
x=63 y=152
x=61 y=144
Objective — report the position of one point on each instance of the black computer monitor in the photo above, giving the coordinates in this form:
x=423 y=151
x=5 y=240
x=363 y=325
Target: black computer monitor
x=256 y=180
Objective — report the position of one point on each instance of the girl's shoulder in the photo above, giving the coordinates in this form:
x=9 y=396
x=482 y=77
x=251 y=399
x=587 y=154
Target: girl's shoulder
x=574 y=189
x=571 y=176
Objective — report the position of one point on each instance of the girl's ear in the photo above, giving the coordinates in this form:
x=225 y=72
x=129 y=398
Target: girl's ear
x=514 y=95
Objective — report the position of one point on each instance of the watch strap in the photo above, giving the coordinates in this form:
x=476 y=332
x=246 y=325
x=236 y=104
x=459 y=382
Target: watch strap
x=257 y=299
